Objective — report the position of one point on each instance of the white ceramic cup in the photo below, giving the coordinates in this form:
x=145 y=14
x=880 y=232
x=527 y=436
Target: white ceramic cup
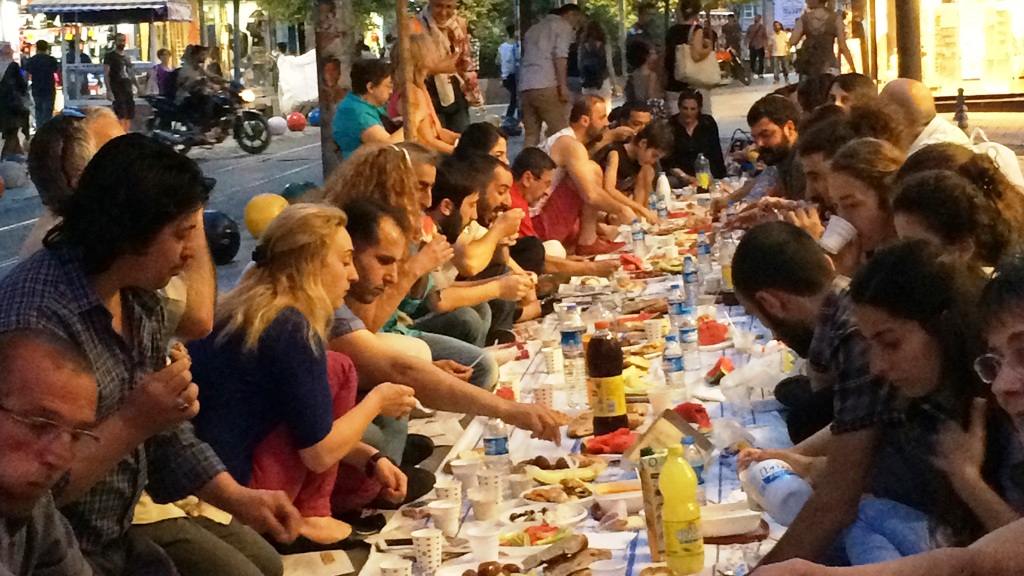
x=837 y=234
x=465 y=472
x=448 y=489
x=483 y=541
x=552 y=359
x=428 y=544
x=396 y=567
x=485 y=505
x=445 y=514
x=653 y=329
x=544 y=394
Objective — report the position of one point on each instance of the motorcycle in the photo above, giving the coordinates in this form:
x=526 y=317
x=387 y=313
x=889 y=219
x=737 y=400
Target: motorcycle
x=732 y=66
x=176 y=125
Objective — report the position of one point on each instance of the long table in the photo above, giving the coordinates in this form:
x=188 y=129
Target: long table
x=761 y=420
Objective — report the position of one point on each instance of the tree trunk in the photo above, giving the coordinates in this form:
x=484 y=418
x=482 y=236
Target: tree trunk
x=334 y=47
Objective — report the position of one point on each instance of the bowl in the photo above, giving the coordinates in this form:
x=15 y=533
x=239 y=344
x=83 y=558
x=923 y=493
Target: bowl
x=718 y=520
x=634 y=500
x=584 y=502
x=574 y=515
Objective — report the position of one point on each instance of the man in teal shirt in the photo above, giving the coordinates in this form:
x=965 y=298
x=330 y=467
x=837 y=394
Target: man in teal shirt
x=357 y=120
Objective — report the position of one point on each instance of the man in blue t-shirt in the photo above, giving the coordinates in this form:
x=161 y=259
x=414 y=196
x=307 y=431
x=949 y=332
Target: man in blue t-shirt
x=359 y=118
x=42 y=70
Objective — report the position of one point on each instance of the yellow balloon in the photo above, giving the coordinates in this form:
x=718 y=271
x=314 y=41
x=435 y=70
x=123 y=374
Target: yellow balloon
x=261 y=210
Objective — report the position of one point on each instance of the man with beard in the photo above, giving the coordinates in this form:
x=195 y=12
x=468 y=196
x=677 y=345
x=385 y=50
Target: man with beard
x=582 y=192
x=782 y=277
x=773 y=124
x=471 y=209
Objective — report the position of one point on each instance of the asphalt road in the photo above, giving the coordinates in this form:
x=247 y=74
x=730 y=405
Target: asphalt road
x=294 y=157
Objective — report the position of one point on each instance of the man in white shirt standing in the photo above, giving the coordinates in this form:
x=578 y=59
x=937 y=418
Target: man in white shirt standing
x=543 y=82
x=508 y=58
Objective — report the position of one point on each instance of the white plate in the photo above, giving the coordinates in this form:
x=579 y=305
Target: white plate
x=584 y=502
x=634 y=500
x=717 y=347
x=580 y=516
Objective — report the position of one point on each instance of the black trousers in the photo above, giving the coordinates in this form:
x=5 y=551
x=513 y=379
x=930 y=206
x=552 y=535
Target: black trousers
x=757 y=61
x=512 y=86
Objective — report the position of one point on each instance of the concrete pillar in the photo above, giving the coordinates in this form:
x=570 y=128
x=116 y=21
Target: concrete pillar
x=908 y=38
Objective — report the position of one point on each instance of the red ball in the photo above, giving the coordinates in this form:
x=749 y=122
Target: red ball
x=296 y=122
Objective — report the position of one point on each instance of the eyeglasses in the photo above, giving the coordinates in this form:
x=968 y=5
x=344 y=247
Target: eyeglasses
x=47 y=430
x=988 y=366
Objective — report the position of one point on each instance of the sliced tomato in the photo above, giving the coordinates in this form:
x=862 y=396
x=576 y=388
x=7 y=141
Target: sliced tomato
x=540 y=532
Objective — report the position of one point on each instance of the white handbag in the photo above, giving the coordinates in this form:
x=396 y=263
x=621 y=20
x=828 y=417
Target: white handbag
x=703 y=74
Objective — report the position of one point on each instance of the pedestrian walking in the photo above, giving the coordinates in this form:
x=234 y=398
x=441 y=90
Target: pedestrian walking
x=543 y=81
x=780 y=52
x=43 y=70
x=121 y=83
x=13 y=97
x=757 y=40
x=508 y=59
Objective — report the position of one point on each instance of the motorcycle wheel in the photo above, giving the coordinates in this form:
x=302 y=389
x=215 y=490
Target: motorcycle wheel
x=252 y=133
x=740 y=72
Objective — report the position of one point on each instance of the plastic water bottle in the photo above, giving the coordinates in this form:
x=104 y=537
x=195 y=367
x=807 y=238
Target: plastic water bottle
x=703 y=169
x=639 y=239
x=684 y=546
x=574 y=362
x=496 y=446
x=779 y=490
x=696 y=461
x=688 y=341
x=691 y=282
x=662 y=210
x=703 y=256
x=672 y=363
x=664 y=190
x=725 y=255
x=676 y=304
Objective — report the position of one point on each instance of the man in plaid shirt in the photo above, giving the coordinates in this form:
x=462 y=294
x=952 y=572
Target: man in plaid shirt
x=783 y=277
x=126 y=232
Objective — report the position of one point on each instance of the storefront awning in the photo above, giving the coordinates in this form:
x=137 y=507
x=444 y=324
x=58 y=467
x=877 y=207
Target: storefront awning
x=114 y=11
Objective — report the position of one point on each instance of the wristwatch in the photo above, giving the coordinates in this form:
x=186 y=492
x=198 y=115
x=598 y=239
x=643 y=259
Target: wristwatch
x=371 y=464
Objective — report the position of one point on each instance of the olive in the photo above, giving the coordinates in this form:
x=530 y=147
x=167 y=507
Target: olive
x=542 y=463
x=489 y=569
x=510 y=569
x=469 y=573
x=562 y=464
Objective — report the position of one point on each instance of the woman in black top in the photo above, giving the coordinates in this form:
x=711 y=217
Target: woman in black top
x=13 y=94
x=694 y=133
x=594 y=62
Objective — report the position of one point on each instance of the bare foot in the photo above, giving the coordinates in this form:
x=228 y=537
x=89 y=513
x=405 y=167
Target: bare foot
x=324 y=529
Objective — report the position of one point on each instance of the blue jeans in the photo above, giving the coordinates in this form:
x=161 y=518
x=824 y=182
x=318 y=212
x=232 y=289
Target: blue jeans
x=485 y=368
x=388 y=435
x=886 y=530
x=469 y=324
x=43 y=108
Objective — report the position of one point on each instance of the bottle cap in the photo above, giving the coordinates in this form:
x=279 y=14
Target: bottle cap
x=688 y=441
x=602 y=324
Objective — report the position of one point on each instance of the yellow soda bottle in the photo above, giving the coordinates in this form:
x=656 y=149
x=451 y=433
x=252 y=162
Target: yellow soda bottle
x=684 y=546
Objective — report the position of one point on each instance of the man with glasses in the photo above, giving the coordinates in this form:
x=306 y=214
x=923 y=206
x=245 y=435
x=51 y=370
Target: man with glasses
x=47 y=410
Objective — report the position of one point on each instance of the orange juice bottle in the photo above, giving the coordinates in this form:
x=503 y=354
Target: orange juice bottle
x=684 y=546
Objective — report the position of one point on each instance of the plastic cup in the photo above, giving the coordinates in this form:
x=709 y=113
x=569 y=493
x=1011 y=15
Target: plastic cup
x=485 y=504
x=652 y=329
x=492 y=483
x=744 y=341
x=465 y=472
x=837 y=234
x=445 y=514
x=396 y=567
x=428 y=544
x=608 y=568
x=552 y=359
x=483 y=541
x=660 y=398
x=544 y=394
x=448 y=489
x=520 y=483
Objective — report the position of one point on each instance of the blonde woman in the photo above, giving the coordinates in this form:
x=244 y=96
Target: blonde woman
x=277 y=408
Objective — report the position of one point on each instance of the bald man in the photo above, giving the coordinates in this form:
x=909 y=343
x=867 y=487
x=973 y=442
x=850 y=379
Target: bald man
x=915 y=103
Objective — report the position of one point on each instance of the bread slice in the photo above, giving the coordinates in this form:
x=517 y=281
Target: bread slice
x=580 y=561
x=567 y=547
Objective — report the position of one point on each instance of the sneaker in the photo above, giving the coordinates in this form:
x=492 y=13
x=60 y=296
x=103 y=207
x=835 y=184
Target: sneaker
x=600 y=246
x=364 y=525
x=417 y=449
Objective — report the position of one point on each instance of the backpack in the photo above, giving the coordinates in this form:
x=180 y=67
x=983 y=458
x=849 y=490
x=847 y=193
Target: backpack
x=816 y=54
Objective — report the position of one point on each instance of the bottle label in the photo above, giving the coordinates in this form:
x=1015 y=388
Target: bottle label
x=704 y=249
x=638 y=235
x=773 y=472
x=698 y=469
x=572 y=339
x=690 y=277
x=608 y=397
x=496 y=446
x=675 y=308
x=688 y=335
x=727 y=278
x=682 y=538
x=703 y=180
x=673 y=364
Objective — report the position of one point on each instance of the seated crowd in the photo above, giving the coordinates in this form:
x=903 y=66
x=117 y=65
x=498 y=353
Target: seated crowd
x=149 y=425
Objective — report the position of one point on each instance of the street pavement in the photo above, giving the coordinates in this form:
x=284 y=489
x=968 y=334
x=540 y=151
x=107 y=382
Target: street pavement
x=295 y=157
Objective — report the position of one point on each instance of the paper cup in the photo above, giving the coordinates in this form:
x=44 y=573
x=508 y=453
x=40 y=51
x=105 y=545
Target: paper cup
x=483 y=541
x=428 y=544
x=396 y=567
x=448 y=489
x=491 y=482
x=653 y=329
x=515 y=385
x=661 y=399
x=465 y=472
x=544 y=394
x=519 y=483
x=445 y=514
x=837 y=234
x=608 y=568
x=552 y=359
x=485 y=505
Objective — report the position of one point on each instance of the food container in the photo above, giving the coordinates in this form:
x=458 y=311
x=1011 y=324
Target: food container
x=718 y=520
